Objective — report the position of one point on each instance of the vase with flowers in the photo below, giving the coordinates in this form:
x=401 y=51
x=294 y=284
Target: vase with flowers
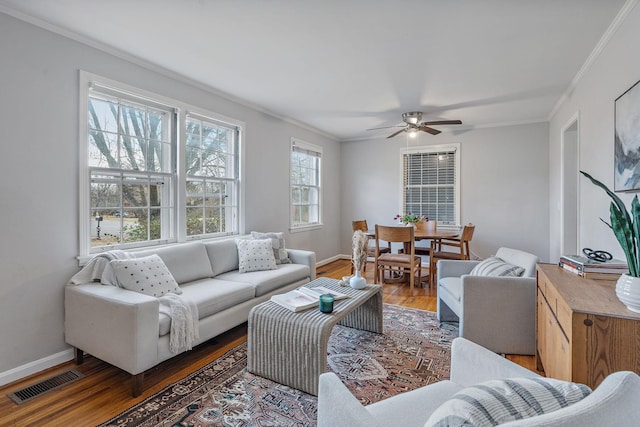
x=359 y=246
x=410 y=219
x=626 y=228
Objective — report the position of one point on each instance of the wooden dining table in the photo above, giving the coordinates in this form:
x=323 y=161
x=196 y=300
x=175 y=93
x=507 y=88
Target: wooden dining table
x=434 y=234
x=426 y=234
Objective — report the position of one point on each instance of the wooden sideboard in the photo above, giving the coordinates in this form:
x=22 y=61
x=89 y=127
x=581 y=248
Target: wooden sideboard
x=583 y=331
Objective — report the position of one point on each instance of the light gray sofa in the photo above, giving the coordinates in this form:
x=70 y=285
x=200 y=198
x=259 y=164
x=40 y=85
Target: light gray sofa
x=613 y=403
x=498 y=313
x=127 y=329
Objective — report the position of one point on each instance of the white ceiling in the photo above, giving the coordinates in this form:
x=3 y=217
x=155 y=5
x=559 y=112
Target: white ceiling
x=343 y=66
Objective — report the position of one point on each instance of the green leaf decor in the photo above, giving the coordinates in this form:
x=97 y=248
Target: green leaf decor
x=625 y=226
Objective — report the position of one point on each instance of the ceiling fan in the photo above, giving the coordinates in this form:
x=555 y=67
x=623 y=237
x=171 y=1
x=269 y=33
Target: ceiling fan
x=413 y=125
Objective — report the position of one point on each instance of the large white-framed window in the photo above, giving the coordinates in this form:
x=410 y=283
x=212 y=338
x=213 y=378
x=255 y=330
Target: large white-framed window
x=306 y=188
x=212 y=176
x=153 y=170
x=430 y=183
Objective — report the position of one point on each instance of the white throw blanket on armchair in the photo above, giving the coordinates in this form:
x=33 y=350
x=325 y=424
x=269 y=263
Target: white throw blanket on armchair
x=182 y=312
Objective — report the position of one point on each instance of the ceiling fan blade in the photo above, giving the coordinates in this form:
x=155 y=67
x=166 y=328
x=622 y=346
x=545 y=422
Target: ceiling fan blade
x=387 y=127
x=427 y=129
x=443 y=122
x=395 y=133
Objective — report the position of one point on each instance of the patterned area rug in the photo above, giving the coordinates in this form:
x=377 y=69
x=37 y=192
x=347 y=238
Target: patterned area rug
x=414 y=351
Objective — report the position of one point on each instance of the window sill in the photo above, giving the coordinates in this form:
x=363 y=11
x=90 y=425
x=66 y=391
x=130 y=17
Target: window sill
x=306 y=228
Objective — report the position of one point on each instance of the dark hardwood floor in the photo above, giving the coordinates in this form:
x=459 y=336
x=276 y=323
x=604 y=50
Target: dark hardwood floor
x=105 y=391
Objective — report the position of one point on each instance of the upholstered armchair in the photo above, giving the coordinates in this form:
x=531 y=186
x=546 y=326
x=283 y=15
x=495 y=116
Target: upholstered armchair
x=497 y=312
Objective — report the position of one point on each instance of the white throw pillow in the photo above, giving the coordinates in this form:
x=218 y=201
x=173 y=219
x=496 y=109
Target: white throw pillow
x=255 y=255
x=499 y=401
x=277 y=240
x=148 y=275
x=494 y=266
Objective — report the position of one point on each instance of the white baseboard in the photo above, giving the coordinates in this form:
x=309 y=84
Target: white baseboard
x=36 y=366
x=333 y=258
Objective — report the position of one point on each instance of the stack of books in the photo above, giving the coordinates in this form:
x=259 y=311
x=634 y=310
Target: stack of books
x=304 y=298
x=590 y=269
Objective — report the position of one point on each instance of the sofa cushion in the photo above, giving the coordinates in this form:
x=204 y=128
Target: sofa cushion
x=269 y=280
x=277 y=240
x=223 y=255
x=211 y=296
x=214 y=295
x=499 y=401
x=147 y=275
x=452 y=285
x=255 y=255
x=187 y=262
x=496 y=267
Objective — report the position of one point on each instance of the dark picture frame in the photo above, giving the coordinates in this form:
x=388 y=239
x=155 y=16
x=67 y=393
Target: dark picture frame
x=627 y=140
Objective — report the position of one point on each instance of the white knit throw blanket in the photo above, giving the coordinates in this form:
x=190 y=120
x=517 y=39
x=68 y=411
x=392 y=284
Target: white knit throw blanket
x=184 y=321
x=98 y=269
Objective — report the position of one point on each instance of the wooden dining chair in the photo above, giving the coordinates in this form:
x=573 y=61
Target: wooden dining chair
x=371 y=250
x=407 y=262
x=463 y=252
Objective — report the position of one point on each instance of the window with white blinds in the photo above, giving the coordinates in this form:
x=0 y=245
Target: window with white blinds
x=431 y=183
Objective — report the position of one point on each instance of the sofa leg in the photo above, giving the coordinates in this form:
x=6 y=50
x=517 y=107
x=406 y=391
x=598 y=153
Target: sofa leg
x=78 y=355
x=138 y=381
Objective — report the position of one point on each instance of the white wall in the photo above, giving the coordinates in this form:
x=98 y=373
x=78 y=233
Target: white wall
x=39 y=180
x=615 y=70
x=504 y=185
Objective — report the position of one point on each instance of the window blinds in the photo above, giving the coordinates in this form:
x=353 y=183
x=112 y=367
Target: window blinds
x=307 y=151
x=429 y=184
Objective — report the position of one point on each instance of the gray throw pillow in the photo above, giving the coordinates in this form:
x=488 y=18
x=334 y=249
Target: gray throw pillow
x=277 y=240
x=494 y=266
x=498 y=401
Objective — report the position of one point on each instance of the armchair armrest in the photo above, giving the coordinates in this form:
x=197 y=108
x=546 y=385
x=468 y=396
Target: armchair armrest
x=337 y=407
x=613 y=403
x=113 y=324
x=299 y=256
x=472 y=363
x=455 y=268
x=500 y=313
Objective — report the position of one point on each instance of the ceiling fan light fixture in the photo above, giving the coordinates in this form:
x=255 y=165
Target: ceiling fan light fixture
x=412 y=118
x=414 y=124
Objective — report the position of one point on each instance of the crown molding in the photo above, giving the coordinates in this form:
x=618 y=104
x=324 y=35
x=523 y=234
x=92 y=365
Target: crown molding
x=88 y=41
x=595 y=53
